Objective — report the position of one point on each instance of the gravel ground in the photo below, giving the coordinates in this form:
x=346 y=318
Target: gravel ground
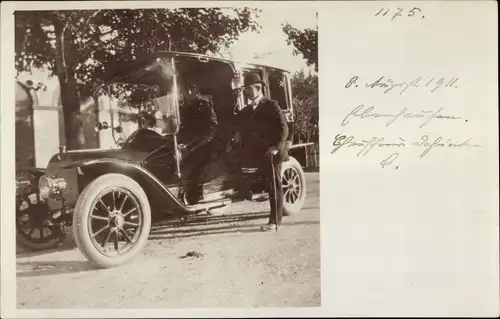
x=237 y=266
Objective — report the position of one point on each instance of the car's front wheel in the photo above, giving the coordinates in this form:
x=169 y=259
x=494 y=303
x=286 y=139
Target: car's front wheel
x=112 y=220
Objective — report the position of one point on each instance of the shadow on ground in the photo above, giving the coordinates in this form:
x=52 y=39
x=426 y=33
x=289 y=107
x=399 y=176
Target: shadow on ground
x=43 y=268
x=220 y=230
x=224 y=224
x=25 y=253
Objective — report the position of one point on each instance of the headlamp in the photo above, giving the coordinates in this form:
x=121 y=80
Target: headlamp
x=51 y=186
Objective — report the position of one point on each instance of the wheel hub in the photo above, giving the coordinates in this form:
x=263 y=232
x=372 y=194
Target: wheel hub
x=117 y=221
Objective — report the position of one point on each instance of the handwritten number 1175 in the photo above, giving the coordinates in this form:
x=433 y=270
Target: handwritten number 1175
x=411 y=13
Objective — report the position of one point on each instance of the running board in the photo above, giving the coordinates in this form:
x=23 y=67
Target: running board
x=260 y=197
x=208 y=205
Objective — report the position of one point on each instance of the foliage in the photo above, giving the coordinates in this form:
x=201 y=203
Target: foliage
x=81 y=46
x=305 y=101
x=99 y=41
x=305 y=42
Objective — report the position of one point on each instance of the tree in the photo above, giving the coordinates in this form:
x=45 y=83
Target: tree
x=305 y=42
x=82 y=45
x=305 y=102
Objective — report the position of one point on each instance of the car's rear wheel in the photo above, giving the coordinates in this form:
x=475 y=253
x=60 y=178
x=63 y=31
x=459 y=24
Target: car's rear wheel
x=34 y=229
x=112 y=220
x=293 y=181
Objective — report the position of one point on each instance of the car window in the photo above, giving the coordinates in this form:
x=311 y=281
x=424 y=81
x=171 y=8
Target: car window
x=277 y=87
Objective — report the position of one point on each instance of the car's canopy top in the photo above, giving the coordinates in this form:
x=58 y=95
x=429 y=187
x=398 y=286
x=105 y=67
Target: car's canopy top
x=158 y=64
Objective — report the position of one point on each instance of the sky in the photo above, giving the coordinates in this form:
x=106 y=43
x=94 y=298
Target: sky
x=272 y=39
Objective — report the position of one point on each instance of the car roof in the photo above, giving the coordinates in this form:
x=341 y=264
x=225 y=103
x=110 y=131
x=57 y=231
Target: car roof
x=140 y=63
x=213 y=58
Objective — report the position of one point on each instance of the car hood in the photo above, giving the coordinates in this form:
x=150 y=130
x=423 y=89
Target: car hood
x=93 y=154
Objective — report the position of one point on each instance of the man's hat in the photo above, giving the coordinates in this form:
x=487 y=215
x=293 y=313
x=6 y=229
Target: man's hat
x=252 y=78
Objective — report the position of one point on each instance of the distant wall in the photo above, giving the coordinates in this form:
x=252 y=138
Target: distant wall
x=46 y=124
x=40 y=128
x=46 y=132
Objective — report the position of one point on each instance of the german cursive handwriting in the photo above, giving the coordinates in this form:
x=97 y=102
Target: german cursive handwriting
x=389 y=85
x=366 y=145
x=364 y=112
x=425 y=143
x=438 y=142
x=389 y=160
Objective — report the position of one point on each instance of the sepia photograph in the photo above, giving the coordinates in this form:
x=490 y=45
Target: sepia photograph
x=167 y=158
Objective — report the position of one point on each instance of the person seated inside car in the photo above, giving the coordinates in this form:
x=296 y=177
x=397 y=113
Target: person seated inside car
x=198 y=120
x=149 y=136
x=198 y=128
x=146 y=120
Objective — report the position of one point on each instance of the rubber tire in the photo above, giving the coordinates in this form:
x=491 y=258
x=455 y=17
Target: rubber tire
x=81 y=213
x=294 y=209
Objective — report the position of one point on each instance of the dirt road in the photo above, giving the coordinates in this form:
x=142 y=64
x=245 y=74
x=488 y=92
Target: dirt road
x=238 y=266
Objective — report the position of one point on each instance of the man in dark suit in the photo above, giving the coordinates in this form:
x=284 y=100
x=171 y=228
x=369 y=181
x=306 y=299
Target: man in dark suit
x=198 y=127
x=263 y=131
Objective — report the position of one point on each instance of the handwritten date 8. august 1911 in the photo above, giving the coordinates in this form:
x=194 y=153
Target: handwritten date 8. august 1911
x=389 y=85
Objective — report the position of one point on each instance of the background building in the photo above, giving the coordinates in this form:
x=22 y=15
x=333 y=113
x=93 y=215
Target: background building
x=40 y=120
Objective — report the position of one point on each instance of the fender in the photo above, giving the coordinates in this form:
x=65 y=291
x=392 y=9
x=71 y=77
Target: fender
x=156 y=191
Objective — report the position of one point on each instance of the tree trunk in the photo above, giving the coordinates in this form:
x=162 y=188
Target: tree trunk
x=73 y=124
x=65 y=70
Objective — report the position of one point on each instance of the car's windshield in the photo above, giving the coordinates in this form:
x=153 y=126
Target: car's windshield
x=159 y=92
x=144 y=97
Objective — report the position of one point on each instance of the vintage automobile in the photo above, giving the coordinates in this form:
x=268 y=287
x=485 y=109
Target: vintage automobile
x=111 y=196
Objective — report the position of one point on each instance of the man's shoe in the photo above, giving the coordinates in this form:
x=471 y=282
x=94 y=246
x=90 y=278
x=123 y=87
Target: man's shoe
x=268 y=227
